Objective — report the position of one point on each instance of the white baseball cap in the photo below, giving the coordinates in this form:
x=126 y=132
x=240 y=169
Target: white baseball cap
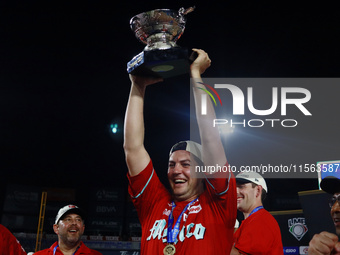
x=67 y=210
x=246 y=177
x=190 y=146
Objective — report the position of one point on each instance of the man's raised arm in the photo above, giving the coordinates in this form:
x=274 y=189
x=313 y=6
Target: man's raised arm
x=212 y=148
x=136 y=155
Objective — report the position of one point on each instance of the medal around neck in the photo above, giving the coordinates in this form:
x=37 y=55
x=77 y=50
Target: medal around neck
x=169 y=249
x=159 y=30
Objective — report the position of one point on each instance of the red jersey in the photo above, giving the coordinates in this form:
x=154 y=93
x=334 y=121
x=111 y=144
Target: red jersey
x=206 y=226
x=259 y=234
x=83 y=249
x=9 y=245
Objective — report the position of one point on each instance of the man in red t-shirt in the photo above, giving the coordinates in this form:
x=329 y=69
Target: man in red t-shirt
x=9 y=245
x=69 y=226
x=259 y=233
x=198 y=215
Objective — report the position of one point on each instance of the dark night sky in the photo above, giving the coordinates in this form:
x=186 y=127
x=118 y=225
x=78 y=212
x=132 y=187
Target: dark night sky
x=63 y=81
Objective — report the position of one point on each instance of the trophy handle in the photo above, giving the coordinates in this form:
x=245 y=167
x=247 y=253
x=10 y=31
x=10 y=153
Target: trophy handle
x=183 y=11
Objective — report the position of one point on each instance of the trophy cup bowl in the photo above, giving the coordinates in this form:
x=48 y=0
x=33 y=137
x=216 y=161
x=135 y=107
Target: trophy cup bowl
x=160 y=29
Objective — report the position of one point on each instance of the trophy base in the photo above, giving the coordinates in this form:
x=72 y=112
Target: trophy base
x=160 y=63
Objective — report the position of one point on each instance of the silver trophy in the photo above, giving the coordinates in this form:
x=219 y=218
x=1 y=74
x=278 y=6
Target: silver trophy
x=159 y=30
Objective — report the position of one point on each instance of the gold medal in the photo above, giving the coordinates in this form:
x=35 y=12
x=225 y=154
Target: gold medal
x=169 y=249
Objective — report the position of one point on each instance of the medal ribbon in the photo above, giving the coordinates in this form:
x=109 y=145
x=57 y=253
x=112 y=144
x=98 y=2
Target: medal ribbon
x=256 y=209
x=173 y=232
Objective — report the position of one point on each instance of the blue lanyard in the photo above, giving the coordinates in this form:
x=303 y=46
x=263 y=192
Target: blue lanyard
x=55 y=249
x=173 y=232
x=255 y=210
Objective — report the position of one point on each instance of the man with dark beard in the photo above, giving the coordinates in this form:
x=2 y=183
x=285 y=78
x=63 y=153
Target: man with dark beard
x=69 y=226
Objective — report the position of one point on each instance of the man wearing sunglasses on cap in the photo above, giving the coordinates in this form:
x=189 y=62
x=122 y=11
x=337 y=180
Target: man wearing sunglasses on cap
x=198 y=215
x=327 y=243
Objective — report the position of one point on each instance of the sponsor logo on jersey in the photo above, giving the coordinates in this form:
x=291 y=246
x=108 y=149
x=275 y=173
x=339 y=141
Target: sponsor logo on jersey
x=195 y=209
x=166 y=212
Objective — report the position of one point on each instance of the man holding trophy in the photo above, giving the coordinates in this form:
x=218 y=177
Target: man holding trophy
x=198 y=215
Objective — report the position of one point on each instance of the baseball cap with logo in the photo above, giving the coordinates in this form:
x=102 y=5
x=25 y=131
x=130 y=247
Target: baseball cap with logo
x=190 y=146
x=246 y=177
x=67 y=210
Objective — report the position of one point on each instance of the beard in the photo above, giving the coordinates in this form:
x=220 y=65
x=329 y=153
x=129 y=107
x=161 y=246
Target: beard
x=70 y=239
